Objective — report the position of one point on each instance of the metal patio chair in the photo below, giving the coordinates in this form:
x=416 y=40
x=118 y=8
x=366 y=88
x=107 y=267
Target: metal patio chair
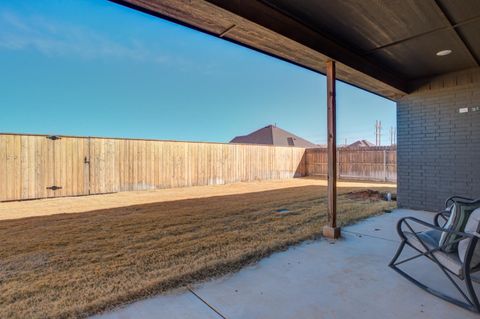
x=426 y=243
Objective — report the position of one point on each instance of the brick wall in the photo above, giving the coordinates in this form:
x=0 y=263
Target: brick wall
x=439 y=147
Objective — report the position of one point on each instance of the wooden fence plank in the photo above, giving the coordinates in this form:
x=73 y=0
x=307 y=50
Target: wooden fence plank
x=3 y=167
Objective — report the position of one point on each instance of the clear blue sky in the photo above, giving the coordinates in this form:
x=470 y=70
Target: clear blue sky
x=90 y=67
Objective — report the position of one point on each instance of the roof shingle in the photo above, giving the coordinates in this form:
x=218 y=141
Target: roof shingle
x=273 y=135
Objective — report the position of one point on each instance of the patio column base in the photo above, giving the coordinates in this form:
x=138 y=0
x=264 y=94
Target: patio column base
x=331 y=232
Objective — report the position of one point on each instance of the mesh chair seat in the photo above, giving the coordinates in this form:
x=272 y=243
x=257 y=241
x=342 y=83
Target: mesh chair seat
x=431 y=238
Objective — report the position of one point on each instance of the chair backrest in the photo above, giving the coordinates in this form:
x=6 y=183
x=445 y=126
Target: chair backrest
x=471 y=227
x=459 y=214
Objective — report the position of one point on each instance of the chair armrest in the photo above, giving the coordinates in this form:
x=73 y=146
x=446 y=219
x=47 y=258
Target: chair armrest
x=405 y=221
x=444 y=215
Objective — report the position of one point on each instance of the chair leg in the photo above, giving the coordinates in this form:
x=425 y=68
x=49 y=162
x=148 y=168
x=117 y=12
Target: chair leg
x=471 y=292
x=473 y=303
x=397 y=254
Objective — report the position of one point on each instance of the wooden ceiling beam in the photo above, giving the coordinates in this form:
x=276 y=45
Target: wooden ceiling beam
x=264 y=15
x=444 y=12
x=419 y=35
x=207 y=17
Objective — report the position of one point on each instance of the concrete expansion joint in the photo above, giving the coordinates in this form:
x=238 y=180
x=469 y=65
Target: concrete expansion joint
x=368 y=235
x=206 y=303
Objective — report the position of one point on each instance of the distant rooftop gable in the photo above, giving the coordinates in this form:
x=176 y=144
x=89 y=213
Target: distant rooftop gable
x=361 y=143
x=273 y=135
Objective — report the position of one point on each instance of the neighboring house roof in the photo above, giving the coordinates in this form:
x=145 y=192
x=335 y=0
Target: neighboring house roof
x=361 y=143
x=273 y=135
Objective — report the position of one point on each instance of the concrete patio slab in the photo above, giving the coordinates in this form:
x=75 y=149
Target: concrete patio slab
x=174 y=306
x=384 y=226
x=348 y=278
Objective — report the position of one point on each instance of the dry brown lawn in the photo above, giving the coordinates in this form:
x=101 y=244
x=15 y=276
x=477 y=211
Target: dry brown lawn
x=77 y=264
x=50 y=206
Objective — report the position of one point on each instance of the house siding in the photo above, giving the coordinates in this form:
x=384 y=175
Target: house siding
x=439 y=147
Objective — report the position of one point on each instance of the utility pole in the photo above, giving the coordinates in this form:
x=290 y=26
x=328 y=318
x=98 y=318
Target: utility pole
x=378 y=133
x=391 y=135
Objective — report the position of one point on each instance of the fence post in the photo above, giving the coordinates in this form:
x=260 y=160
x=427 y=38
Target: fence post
x=385 y=165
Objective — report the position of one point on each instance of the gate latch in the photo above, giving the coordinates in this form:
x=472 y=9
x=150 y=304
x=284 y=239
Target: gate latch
x=54 y=188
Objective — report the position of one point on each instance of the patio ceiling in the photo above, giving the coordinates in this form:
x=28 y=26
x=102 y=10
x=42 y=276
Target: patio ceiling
x=380 y=46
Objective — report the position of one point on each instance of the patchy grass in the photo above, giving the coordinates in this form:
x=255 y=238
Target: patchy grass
x=73 y=265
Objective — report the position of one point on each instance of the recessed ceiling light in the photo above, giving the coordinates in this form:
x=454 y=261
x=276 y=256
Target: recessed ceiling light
x=444 y=52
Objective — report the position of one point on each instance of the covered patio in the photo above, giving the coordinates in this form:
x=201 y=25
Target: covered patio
x=347 y=278
x=425 y=55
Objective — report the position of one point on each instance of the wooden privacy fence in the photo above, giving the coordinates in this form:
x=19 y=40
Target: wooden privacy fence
x=373 y=163
x=40 y=166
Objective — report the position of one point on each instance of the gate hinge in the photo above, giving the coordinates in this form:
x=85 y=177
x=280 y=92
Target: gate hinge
x=53 y=137
x=54 y=188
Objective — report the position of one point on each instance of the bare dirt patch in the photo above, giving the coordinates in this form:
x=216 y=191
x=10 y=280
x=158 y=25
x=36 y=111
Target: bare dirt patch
x=77 y=264
x=367 y=194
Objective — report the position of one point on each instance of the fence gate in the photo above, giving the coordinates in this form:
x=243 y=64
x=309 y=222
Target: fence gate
x=34 y=166
x=71 y=162
x=23 y=174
